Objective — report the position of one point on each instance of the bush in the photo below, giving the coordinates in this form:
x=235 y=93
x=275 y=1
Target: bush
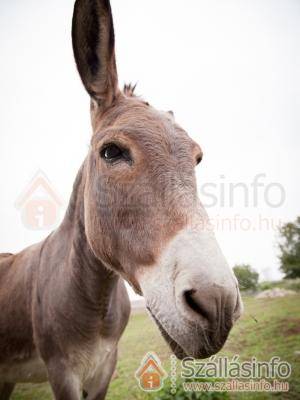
x=293 y=284
x=246 y=276
x=267 y=285
x=288 y=284
x=290 y=249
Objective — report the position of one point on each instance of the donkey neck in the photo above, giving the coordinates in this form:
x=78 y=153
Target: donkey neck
x=92 y=282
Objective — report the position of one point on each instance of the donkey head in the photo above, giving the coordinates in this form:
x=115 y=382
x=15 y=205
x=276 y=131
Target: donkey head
x=143 y=218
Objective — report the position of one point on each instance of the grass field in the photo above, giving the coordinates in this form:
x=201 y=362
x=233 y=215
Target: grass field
x=269 y=327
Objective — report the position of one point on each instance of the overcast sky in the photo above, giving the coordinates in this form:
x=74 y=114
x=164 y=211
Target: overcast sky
x=230 y=70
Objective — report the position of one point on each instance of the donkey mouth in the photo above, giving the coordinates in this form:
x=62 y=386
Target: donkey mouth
x=175 y=347
x=198 y=352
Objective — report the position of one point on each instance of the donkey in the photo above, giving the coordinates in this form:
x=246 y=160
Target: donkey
x=134 y=215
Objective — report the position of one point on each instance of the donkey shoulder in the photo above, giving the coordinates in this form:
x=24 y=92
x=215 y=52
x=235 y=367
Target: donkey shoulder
x=6 y=260
x=5 y=255
x=16 y=278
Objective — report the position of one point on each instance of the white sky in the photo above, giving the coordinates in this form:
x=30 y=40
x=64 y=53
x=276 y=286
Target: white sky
x=230 y=70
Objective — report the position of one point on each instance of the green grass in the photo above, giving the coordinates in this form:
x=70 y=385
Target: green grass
x=269 y=327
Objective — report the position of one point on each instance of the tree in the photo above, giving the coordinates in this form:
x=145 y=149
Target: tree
x=289 y=246
x=246 y=276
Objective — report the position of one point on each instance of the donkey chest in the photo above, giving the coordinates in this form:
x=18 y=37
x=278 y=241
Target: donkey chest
x=24 y=371
x=85 y=360
x=88 y=359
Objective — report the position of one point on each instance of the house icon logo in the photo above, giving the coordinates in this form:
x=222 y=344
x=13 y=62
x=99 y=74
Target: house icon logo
x=39 y=204
x=151 y=375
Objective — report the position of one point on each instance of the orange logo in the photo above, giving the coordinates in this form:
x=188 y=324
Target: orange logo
x=151 y=374
x=39 y=204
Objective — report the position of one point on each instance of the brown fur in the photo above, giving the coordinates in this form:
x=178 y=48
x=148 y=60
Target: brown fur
x=152 y=192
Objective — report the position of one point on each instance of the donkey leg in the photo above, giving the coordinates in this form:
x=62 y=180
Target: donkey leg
x=6 y=390
x=96 y=389
x=64 y=383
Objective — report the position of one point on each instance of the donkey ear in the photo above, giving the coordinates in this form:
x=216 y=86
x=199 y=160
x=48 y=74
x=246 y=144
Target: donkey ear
x=94 y=49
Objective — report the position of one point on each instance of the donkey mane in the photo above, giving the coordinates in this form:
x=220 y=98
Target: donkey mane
x=129 y=89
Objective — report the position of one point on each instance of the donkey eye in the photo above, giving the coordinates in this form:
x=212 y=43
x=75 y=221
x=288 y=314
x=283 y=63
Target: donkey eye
x=113 y=152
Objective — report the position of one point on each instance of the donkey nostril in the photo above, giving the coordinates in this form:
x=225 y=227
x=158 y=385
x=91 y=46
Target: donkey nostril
x=192 y=300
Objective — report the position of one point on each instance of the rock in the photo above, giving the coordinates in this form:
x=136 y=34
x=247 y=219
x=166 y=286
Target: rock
x=275 y=292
